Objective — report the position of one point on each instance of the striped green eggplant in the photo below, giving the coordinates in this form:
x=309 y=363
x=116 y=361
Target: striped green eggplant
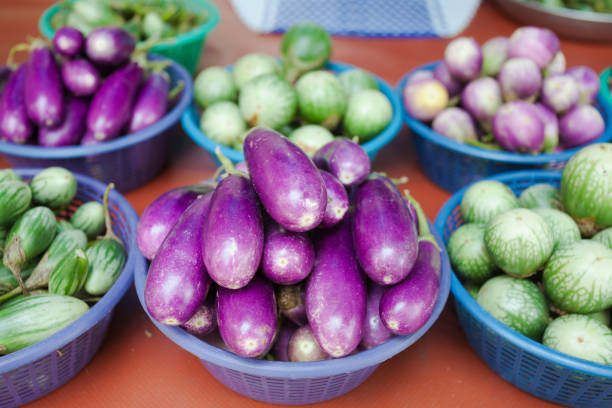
x=54 y=187
x=9 y=174
x=89 y=218
x=63 y=225
x=15 y=199
x=68 y=277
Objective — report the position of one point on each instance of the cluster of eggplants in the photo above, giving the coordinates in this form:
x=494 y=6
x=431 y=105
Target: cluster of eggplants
x=510 y=93
x=272 y=256
x=80 y=89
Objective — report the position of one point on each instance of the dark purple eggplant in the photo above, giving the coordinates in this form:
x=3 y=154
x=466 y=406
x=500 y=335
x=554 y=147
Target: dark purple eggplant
x=287 y=256
x=80 y=77
x=109 y=45
x=68 y=41
x=292 y=303
x=44 y=94
x=374 y=331
x=345 y=159
x=70 y=130
x=281 y=343
x=303 y=346
x=15 y=126
x=5 y=73
x=337 y=200
x=152 y=101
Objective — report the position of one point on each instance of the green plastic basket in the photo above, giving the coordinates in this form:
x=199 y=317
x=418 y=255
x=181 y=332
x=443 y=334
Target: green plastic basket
x=604 y=79
x=185 y=48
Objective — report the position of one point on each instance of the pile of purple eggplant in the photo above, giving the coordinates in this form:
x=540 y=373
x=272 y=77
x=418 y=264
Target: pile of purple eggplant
x=81 y=90
x=291 y=258
x=511 y=94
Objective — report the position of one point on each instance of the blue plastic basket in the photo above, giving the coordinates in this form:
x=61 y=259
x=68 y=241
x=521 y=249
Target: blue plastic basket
x=34 y=371
x=191 y=123
x=294 y=383
x=452 y=165
x=525 y=363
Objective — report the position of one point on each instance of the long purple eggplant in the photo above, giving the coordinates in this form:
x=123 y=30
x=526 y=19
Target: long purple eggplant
x=384 y=233
x=177 y=282
x=158 y=219
x=374 y=331
x=109 y=45
x=303 y=346
x=337 y=200
x=152 y=101
x=345 y=159
x=44 y=94
x=80 y=77
x=336 y=293
x=292 y=303
x=68 y=41
x=281 y=343
x=70 y=130
x=15 y=126
x=288 y=184
x=287 y=256
x=247 y=317
x=233 y=233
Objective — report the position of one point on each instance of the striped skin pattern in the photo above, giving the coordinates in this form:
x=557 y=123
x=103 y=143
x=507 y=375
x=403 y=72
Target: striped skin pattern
x=68 y=277
x=519 y=241
x=484 y=200
x=268 y=101
x=62 y=244
x=563 y=227
x=36 y=228
x=578 y=277
x=89 y=218
x=9 y=174
x=54 y=187
x=468 y=254
x=542 y=195
x=106 y=259
x=605 y=237
x=15 y=198
x=321 y=98
x=368 y=112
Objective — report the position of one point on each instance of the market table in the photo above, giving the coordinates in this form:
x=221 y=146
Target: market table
x=137 y=366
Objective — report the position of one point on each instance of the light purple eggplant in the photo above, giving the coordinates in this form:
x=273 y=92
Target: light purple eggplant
x=68 y=41
x=287 y=182
x=337 y=200
x=292 y=303
x=384 y=234
x=419 y=76
x=111 y=106
x=463 y=58
x=424 y=99
x=70 y=130
x=581 y=125
x=287 y=256
x=517 y=127
x=80 y=77
x=152 y=101
x=560 y=93
x=109 y=45
x=335 y=292
x=482 y=98
x=456 y=124
x=551 y=127
x=204 y=320
x=374 y=331
x=281 y=344
x=15 y=126
x=303 y=346
x=588 y=83
x=452 y=84
x=520 y=78
x=177 y=282
x=538 y=44
x=160 y=216
x=494 y=54
x=233 y=240
x=556 y=66
x=345 y=159
x=247 y=317
x=44 y=94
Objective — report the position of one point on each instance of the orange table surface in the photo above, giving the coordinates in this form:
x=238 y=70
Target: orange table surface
x=137 y=366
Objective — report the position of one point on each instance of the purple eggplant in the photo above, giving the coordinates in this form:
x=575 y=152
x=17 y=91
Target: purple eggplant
x=556 y=66
x=109 y=45
x=551 y=127
x=80 y=77
x=111 y=106
x=177 y=282
x=463 y=58
x=494 y=54
x=560 y=93
x=68 y=41
x=281 y=344
x=247 y=317
x=152 y=101
x=424 y=99
x=453 y=85
x=588 y=83
x=517 y=127
x=44 y=95
x=337 y=201
x=5 y=74
x=482 y=98
x=15 y=126
x=456 y=124
x=384 y=233
x=204 y=320
x=581 y=125
x=538 y=44
x=70 y=130
x=374 y=331
x=346 y=160
x=289 y=185
x=336 y=293
x=232 y=246
x=520 y=78
x=419 y=76
x=158 y=219
x=303 y=346
x=292 y=303
x=287 y=256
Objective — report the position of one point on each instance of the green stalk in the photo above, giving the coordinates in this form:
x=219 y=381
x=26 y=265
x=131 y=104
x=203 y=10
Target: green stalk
x=424 y=231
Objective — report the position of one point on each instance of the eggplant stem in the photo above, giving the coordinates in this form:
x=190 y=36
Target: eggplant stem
x=2 y=348
x=107 y=218
x=91 y=299
x=10 y=295
x=355 y=139
x=424 y=231
x=13 y=258
x=483 y=145
x=16 y=48
x=399 y=181
x=226 y=164
x=176 y=90
x=216 y=174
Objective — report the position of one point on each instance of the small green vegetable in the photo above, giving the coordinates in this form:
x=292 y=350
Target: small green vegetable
x=68 y=277
x=223 y=123
x=367 y=114
x=89 y=218
x=305 y=47
x=214 y=84
x=54 y=187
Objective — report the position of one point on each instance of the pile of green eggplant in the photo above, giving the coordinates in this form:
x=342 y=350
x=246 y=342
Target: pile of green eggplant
x=53 y=264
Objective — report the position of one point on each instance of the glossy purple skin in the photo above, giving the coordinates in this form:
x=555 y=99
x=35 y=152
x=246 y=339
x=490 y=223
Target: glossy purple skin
x=242 y=166
x=281 y=344
x=160 y=216
x=177 y=282
x=463 y=57
x=336 y=293
x=292 y=303
x=111 y=106
x=247 y=317
x=152 y=101
x=456 y=124
x=303 y=346
x=452 y=84
x=80 y=77
x=68 y=41
x=560 y=93
x=44 y=94
x=15 y=126
x=384 y=233
x=287 y=256
x=551 y=127
x=588 y=83
x=406 y=307
x=109 y=45
x=70 y=131
x=337 y=201
x=5 y=73
x=419 y=76
x=520 y=78
x=344 y=159
x=287 y=182
x=374 y=331
x=517 y=127
x=538 y=44
x=482 y=98
x=233 y=233
x=494 y=53
x=204 y=320
x=581 y=125
x=424 y=99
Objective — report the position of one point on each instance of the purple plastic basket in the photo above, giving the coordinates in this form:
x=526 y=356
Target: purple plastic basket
x=281 y=382
x=34 y=371
x=129 y=161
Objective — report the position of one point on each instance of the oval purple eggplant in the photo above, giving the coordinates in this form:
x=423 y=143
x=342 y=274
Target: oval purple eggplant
x=303 y=346
x=15 y=126
x=109 y=45
x=204 y=320
x=247 y=317
x=384 y=233
x=287 y=256
x=345 y=159
x=177 y=282
x=80 y=77
x=158 y=219
x=44 y=95
x=335 y=292
x=152 y=101
x=233 y=233
x=68 y=41
x=70 y=130
x=287 y=182
x=588 y=83
x=292 y=303
x=452 y=84
x=337 y=200
x=281 y=344
x=517 y=127
x=581 y=125
x=374 y=331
